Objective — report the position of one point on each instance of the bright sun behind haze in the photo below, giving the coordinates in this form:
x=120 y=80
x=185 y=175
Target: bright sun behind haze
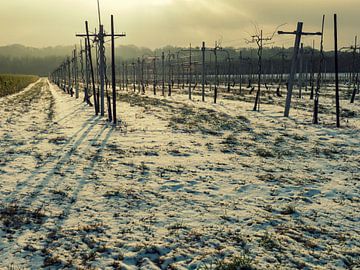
x=156 y=23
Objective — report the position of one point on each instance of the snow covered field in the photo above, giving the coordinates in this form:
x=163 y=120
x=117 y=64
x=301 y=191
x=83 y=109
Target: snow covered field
x=178 y=185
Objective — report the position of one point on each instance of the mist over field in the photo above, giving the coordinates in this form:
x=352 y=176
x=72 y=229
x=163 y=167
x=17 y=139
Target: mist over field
x=19 y=59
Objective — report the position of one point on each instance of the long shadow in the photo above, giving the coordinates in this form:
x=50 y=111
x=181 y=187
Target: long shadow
x=63 y=158
x=51 y=159
x=47 y=178
x=82 y=181
x=77 y=108
x=61 y=163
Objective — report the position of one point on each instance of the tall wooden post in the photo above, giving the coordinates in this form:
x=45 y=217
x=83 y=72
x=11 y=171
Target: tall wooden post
x=293 y=69
x=354 y=75
x=163 y=72
x=306 y=75
x=102 y=70
x=91 y=68
x=318 y=81
x=126 y=76
x=84 y=70
x=178 y=70
x=240 y=72
x=312 y=71
x=337 y=98
x=155 y=76
x=170 y=74
x=278 y=92
x=139 y=77
x=69 y=76
x=123 y=76
x=76 y=82
x=203 y=71
x=142 y=77
x=216 y=75
x=229 y=75
x=113 y=70
x=134 y=76
x=190 y=73
x=301 y=61
x=298 y=34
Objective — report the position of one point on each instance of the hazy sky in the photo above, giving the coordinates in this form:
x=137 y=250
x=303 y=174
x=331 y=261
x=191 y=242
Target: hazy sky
x=156 y=23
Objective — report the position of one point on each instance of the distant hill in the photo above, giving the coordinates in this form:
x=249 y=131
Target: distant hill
x=19 y=59
x=20 y=51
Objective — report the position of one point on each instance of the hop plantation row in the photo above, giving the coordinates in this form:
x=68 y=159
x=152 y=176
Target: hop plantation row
x=11 y=84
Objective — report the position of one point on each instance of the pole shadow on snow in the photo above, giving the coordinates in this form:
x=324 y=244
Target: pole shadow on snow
x=78 y=108
x=60 y=220
x=81 y=182
x=62 y=162
x=88 y=125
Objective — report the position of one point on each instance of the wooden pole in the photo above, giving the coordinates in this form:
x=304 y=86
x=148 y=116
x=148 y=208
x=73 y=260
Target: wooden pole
x=216 y=75
x=139 y=77
x=69 y=77
x=91 y=68
x=312 y=75
x=293 y=69
x=134 y=76
x=155 y=76
x=354 y=76
x=240 y=72
x=337 y=98
x=163 y=72
x=203 y=71
x=318 y=81
x=190 y=73
x=169 y=75
x=102 y=70
x=113 y=69
x=301 y=60
x=76 y=74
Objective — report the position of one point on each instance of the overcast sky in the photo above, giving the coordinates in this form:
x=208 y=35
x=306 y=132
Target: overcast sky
x=156 y=23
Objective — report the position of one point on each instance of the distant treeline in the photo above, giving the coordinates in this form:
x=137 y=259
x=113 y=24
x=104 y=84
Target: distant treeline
x=18 y=59
x=40 y=66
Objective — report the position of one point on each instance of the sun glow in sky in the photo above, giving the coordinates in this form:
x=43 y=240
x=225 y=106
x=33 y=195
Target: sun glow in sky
x=156 y=23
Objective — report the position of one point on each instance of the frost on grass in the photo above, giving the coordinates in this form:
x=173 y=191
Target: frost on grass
x=178 y=184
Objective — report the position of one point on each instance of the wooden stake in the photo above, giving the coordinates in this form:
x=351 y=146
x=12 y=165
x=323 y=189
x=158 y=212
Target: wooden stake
x=203 y=48
x=91 y=68
x=293 y=69
x=298 y=34
x=190 y=73
x=163 y=73
x=337 y=98
x=113 y=70
x=301 y=69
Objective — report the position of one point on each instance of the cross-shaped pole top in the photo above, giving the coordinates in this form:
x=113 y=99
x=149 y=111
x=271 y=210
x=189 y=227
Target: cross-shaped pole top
x=300 y=32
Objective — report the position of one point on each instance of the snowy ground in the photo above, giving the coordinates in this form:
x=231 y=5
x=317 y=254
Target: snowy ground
x=178 y=185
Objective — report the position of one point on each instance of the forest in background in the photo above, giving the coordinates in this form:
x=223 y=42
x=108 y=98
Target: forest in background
x=19 y=59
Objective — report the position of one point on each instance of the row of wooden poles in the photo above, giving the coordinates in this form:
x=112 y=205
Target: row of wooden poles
x=169 y=70
x=66 y=75
x=208 y=68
